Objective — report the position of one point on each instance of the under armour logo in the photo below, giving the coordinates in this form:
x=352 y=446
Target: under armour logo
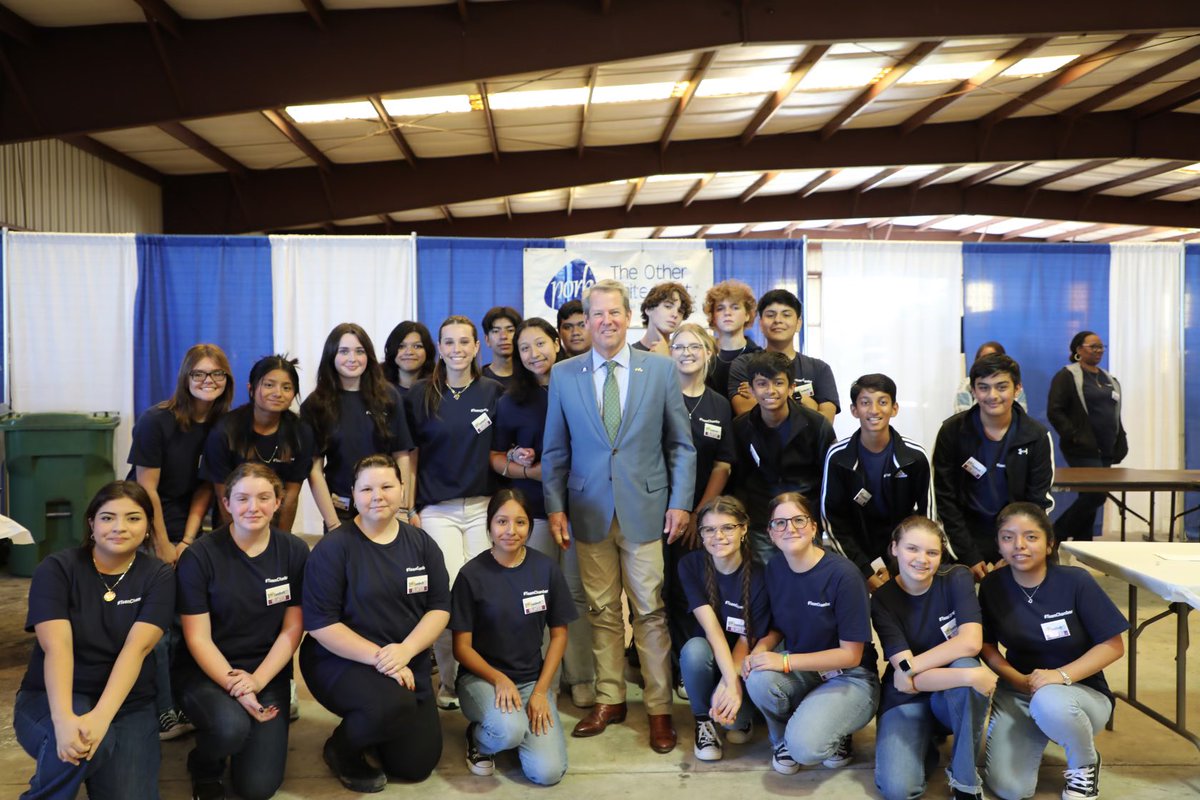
x=1022 y=451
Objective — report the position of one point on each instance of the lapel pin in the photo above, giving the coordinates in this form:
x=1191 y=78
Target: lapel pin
x=638 y=369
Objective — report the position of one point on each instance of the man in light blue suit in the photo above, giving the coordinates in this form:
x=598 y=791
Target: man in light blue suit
x=618 y=456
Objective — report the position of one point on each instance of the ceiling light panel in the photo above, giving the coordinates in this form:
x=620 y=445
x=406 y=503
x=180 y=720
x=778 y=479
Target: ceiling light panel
x=679 y=231
x=845 y=73
x=331 y=112
x=725 y=228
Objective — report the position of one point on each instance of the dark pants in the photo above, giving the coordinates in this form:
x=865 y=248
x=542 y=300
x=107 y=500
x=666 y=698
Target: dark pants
x=1079 y=520
x=257 y=750
x=376 y=711
x=125 y=765
x=679 y=618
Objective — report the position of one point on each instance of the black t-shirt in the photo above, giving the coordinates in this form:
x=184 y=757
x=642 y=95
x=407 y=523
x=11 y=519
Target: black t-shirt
x=507 y=610
x=1101 y=410
x=66 y=586
x=756 y=622
x=919 y=623
x=220 y=459
x=522 y=425
x=1068 y=616
x=159 y=443
x=246 y=598
x=380 y=591
x=718 y=379
x=503 y=380
x=712 y=433
x=804 y=368
x=818 y=609
x=455 y=446
x=354 y=436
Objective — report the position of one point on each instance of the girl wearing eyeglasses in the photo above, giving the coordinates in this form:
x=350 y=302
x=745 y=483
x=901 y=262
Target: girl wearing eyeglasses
x=823 y=685
x=165 y=458
x=725 y=590
x=1085 y=408
x=354 y=412
x=711 y=418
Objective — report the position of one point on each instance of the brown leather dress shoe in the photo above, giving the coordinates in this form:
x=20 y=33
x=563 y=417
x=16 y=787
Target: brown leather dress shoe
x=599 y=718
x=662 y=733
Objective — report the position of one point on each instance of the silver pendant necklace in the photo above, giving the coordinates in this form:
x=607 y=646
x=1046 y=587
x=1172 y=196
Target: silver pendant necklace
x=1029 y=595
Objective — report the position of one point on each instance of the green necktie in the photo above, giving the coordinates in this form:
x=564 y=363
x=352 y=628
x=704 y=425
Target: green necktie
x=611 y=411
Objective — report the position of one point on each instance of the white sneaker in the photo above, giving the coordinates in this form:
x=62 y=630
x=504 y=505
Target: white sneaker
x=782 y=761
x=446 y=699
x=740 y=735
x=1083 y=783
x=583 y=695
x=841 y=756
x=293 y=702
x=708 y=743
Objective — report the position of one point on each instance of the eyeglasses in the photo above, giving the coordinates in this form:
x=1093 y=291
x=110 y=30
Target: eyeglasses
x=727 y=530
x=216 y=376
x=687 y=348
x=1095 y=348
x=781 y=524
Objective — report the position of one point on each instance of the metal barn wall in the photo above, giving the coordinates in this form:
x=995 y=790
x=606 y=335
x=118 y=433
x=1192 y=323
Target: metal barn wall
x=51 y=186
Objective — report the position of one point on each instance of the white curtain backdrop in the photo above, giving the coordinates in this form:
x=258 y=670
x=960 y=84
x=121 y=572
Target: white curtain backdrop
x=1144 y=353
x=320 y=281
x=895 y=308
x=70 y=326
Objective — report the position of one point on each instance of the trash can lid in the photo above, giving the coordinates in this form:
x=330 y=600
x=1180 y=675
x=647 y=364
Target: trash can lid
x=98 y=420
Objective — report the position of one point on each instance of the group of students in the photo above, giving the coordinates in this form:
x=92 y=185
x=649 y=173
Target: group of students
x=427 y=475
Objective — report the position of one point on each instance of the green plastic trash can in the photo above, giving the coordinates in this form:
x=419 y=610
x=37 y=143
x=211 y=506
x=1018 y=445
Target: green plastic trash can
x=56 y=463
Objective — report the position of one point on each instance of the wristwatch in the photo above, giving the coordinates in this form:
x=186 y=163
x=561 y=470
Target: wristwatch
x=1066 y=678
x=905 y=666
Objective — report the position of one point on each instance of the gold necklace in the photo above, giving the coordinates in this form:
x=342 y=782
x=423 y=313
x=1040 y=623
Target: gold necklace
x=457 y=393
x=111 y=591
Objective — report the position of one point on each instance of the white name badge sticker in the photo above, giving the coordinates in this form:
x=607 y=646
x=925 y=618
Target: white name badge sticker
x=950 y=629
x=279 y=594
x=974 y=467
x=534 y=604
x=481 y=423
x=712 y=430
x=735 y=625
x=829 y=674
x=863 y=497
x=1055 y=629
x=417 y=584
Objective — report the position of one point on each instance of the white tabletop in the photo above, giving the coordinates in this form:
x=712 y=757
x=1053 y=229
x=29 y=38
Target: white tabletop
x=1169 y=569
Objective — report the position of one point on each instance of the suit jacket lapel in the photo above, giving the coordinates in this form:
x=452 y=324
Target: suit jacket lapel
x=587 y=397
x=637 y=389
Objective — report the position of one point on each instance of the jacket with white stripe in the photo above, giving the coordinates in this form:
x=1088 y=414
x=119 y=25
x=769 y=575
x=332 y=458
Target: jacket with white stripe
x=856 y=534
x=1028 y=467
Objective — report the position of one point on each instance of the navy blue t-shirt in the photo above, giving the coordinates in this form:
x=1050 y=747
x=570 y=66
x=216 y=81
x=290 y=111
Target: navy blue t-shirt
x=522 y=425
x=66 y=586
x=874 y=465
x=245 y=597
x=731 y=598
x=804 y=368
x=220 y=460
x=718 y=379
x=507 y=610
x=818 y=609
x=159 y=443
x=988 y=494
x=354 y=436
x=919 y=623
x=712 y=433
x=503 y=380
x=379 y=591
x=1069 y=615
x=455 y=446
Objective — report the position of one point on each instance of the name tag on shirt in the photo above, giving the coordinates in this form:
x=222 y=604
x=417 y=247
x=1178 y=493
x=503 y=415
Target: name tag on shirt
x=712 y=430
x=735 y=625
x=754 y=455
x=279 y=594
x=973 y=466
x=534 y=604
x=863 y=497
x=1116 y=396
x=1055 y=629
x=481 y=423
x=417 y=584
x=829 y=674
x=950 y=629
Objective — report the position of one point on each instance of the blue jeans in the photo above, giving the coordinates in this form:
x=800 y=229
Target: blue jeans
x=1022 y=724
x=701 y=676
x=543 y=758
x=812 y=715
x=224 y=730
x=125 y=765
x=905 y=732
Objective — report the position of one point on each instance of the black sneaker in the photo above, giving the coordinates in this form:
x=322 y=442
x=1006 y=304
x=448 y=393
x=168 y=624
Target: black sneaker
x=1083 y=783
x=208 y=789
x=960 y=794
x=479 y=763
x=708 y=743
x=354 y=772
x=841 y=756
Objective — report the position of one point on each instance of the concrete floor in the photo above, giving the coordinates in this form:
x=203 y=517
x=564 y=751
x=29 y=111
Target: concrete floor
x=1142 y=759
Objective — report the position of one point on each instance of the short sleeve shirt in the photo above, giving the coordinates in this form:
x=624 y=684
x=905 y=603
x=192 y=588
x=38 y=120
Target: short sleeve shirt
x=159 y=443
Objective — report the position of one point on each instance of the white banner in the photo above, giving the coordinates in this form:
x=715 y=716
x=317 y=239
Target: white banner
x=554 y=277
